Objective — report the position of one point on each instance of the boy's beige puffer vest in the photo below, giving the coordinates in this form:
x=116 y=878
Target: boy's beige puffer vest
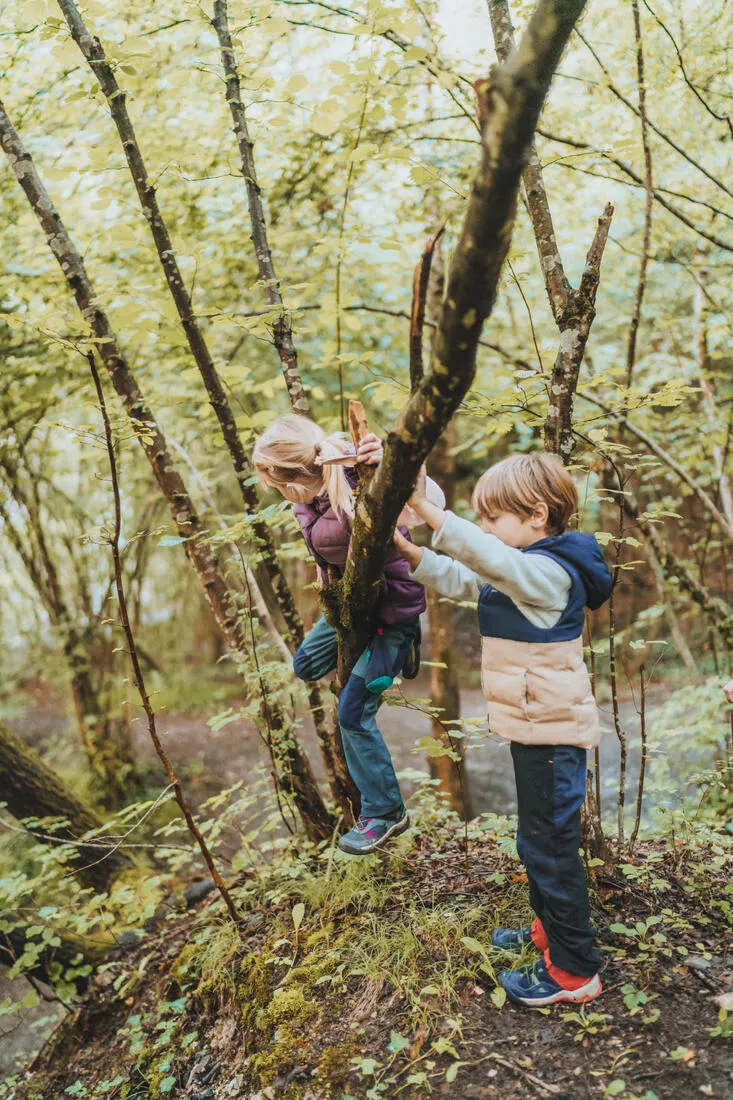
x=539 y=693
x=535 y=680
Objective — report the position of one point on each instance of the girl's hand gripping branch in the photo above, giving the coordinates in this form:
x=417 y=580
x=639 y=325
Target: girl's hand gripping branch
x=370 y=450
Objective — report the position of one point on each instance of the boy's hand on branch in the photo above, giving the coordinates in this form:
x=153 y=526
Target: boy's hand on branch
x=728 y=691
x=408 y=549
x=370 y=450
x=419 y=493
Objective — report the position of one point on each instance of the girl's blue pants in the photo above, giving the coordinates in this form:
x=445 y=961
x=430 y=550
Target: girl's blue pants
x=366 y=754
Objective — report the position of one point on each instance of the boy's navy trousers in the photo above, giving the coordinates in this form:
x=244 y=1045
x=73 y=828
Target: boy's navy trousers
x=550 y=792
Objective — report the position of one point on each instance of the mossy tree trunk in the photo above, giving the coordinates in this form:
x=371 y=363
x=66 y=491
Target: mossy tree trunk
x=32 y=790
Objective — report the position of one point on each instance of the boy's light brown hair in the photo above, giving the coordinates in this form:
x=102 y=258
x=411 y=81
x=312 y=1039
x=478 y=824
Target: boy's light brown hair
x=519 y=483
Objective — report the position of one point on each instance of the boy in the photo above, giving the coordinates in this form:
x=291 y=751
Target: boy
x=533 y=578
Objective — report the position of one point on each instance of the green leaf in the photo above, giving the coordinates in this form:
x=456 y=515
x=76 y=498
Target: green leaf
x=616 y=1087
x=397 y=1042
x=473 y=945
x=452 y=1072
x=167 y=1084
x=298 y=914
x=498 y=996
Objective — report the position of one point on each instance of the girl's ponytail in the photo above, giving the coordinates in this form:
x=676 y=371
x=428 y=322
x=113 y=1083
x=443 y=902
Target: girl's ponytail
x=335 y=481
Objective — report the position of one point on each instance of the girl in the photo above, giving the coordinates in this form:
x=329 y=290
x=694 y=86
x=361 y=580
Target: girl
x=311 y=469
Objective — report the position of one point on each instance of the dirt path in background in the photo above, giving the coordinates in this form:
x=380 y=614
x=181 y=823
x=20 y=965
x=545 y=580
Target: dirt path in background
x=215 y=759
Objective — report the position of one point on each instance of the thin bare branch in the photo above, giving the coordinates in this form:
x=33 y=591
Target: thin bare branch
x=282 y=332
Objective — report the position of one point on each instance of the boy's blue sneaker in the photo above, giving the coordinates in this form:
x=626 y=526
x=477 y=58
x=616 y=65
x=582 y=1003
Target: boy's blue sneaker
x=532 y=985
x=371 y=833
x=512 y=939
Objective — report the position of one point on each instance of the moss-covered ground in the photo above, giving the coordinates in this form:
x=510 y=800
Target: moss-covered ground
x=375 y=978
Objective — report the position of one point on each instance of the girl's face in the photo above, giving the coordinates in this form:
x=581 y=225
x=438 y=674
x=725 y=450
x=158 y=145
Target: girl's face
x=298 y=490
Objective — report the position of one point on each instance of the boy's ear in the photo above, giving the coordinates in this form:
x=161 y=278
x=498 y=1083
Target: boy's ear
x=540 y=515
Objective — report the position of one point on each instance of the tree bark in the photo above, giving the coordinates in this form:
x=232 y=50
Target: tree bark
x=282 y=332
x=32 y=790
x=299 y=775
x=445 y=687
x=573 y=310
x=510 y=102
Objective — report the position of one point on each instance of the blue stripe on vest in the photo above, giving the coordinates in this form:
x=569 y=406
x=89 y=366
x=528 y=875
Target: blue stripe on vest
x=499 y=616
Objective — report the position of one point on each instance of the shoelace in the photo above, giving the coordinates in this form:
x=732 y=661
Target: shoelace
x=362 y=823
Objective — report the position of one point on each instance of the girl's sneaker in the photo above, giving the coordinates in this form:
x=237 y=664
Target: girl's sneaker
x=532 y=985
x=371 y=833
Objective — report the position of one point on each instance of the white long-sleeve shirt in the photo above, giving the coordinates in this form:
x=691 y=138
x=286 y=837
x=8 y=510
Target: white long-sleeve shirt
x=534 y=582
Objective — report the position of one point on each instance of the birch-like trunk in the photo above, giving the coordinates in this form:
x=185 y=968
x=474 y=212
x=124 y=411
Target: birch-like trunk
x=573 y=310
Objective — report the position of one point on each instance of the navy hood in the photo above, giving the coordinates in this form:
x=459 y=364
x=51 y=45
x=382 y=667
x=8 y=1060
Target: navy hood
x=582 y=553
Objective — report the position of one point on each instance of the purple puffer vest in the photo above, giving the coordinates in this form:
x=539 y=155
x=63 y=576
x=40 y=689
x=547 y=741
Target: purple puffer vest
x=327 y=537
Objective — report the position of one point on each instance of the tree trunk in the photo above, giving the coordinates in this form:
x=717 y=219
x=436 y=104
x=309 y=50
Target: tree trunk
x=269 y=571
x=32 y=790
x=445 y=690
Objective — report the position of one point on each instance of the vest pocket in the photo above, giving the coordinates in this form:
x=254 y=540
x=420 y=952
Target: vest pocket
x=551 y=694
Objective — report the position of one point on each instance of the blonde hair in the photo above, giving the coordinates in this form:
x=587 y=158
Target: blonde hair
x=519 y=483
x=288 y=457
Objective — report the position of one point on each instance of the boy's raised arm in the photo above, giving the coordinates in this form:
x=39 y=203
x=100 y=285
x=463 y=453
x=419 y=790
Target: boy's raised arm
x=446 y=576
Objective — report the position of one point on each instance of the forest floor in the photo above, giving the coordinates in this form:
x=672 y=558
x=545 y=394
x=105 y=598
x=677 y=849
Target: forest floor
x=374 y=978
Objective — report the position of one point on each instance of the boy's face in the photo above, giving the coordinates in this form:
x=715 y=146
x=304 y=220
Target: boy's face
x=514 y=530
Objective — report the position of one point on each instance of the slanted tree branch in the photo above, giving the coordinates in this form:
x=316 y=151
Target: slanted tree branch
x=510 y=100
x=675 y=211
x=113 y=538
x=652 y=126
x=705 y=499
x=420 y=282
x=282 y=332
x=693 y=87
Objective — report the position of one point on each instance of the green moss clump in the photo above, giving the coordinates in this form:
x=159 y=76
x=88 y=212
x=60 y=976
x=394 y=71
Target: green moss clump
x=289 y=1005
